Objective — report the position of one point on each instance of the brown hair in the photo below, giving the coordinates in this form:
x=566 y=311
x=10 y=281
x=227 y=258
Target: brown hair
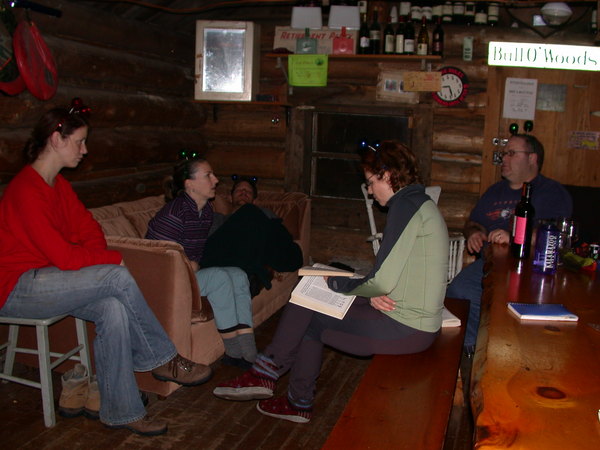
x=183 y=170
x=57 y=119
x=395 y=158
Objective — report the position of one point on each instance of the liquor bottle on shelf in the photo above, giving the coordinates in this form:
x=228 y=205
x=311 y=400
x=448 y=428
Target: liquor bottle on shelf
x=362 y=7
x=394 y=16
x=437 y=11
x=415 y=13
x=447 y=12
x=594 y=21
x=481 y=14
x=469 y=13
x=523 y=224
x=427 y=11
x=493 y=14
x=409 y=38
x=437 y=47
x=405 y=9
x=306 y=44
x=364 y=45
x=399 y=47
x=423 y=39
x=458 y=12
x=389 y=38
x=375 y=34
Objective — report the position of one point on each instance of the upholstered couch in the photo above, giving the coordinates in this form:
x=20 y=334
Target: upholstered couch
x=167 y=281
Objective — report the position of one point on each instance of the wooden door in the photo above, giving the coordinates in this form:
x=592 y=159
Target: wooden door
x=575 y=166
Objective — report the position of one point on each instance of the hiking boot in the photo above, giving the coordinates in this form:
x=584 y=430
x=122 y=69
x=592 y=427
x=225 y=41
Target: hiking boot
x=146 y=426
x=183 y=371
x=91 y=410
x=74 y=391
x=281 y=408
x=248 y=386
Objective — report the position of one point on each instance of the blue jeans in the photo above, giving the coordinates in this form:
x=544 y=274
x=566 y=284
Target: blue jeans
x=228 y=292
x=467 y=285
x=128 y=335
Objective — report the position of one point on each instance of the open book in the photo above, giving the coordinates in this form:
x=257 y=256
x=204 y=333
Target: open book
x=543 y=311
x=324 y=271
x=313 y=293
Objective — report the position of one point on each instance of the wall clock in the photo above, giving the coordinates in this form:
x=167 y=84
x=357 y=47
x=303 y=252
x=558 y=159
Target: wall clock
x=455 y=86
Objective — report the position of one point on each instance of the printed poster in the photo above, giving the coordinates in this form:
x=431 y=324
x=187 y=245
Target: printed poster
x=520 y=98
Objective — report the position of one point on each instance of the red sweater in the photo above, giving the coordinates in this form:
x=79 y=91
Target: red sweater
x=42 y=226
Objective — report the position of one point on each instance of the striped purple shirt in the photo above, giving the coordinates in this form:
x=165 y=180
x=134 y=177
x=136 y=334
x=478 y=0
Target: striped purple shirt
x=179 y=221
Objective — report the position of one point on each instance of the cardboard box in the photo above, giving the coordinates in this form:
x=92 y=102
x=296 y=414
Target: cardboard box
x=285 y=37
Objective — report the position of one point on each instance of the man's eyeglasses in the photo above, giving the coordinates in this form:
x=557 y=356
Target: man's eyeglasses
x=511 y=153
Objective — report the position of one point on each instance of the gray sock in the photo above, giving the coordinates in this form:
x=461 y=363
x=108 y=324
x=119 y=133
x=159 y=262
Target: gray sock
x=233 y=347
x=248 y=346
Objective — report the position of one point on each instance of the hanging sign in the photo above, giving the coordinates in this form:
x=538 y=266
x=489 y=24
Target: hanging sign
x=544 y=56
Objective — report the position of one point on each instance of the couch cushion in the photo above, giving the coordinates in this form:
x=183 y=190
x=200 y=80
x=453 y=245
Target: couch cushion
x=113 y=222
x=139 y=212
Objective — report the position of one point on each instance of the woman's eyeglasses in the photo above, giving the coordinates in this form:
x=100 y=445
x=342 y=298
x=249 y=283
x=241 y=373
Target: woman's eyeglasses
x=368 y=181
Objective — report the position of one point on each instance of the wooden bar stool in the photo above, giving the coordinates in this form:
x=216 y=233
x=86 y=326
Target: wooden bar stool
x=79 y=353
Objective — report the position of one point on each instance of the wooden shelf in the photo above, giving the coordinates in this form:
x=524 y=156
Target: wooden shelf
x=373 y=58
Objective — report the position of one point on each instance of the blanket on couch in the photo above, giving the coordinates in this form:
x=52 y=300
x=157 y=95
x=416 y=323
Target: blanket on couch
x=250 y=240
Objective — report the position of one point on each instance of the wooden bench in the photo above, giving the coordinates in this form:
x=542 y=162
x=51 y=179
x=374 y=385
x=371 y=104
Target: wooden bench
x=404 y=401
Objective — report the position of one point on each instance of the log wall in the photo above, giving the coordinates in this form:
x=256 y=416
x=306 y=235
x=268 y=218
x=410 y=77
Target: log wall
x=138 y=80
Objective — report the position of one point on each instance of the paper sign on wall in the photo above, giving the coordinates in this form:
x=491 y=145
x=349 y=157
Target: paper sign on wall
x=519 y=98
x=308 y=70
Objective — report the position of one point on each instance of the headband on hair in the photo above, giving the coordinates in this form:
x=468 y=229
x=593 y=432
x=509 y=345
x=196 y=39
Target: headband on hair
x=77 y=107
x=189 y=155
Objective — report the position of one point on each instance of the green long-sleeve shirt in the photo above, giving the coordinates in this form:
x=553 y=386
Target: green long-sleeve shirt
x=411 y=266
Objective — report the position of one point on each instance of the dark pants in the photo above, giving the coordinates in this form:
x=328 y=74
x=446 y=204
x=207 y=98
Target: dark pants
x=364 y=331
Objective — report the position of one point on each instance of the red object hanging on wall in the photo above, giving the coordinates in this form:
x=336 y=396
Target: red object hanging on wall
x=35 y=61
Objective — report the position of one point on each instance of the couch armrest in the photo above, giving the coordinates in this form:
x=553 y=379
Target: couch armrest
x=166 y=279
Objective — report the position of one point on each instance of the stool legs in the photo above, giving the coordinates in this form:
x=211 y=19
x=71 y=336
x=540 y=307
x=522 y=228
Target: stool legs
x=45 y=375
x=82 y=340
x=13 y=337
x=81 y=353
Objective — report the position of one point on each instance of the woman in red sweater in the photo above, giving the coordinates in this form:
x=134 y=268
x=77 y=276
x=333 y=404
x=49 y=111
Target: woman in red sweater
x=54 y=260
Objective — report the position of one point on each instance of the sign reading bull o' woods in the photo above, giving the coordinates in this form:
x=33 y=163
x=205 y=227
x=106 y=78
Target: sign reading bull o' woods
x=544 y=56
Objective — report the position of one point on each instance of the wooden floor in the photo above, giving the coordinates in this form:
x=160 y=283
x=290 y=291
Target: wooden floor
x=199 y=420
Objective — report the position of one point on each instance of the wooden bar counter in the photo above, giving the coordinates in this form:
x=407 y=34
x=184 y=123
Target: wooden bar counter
x=536 y=385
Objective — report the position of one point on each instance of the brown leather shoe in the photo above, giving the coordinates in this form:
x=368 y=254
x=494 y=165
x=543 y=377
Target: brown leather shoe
x=146 y=426
x=183 y=371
